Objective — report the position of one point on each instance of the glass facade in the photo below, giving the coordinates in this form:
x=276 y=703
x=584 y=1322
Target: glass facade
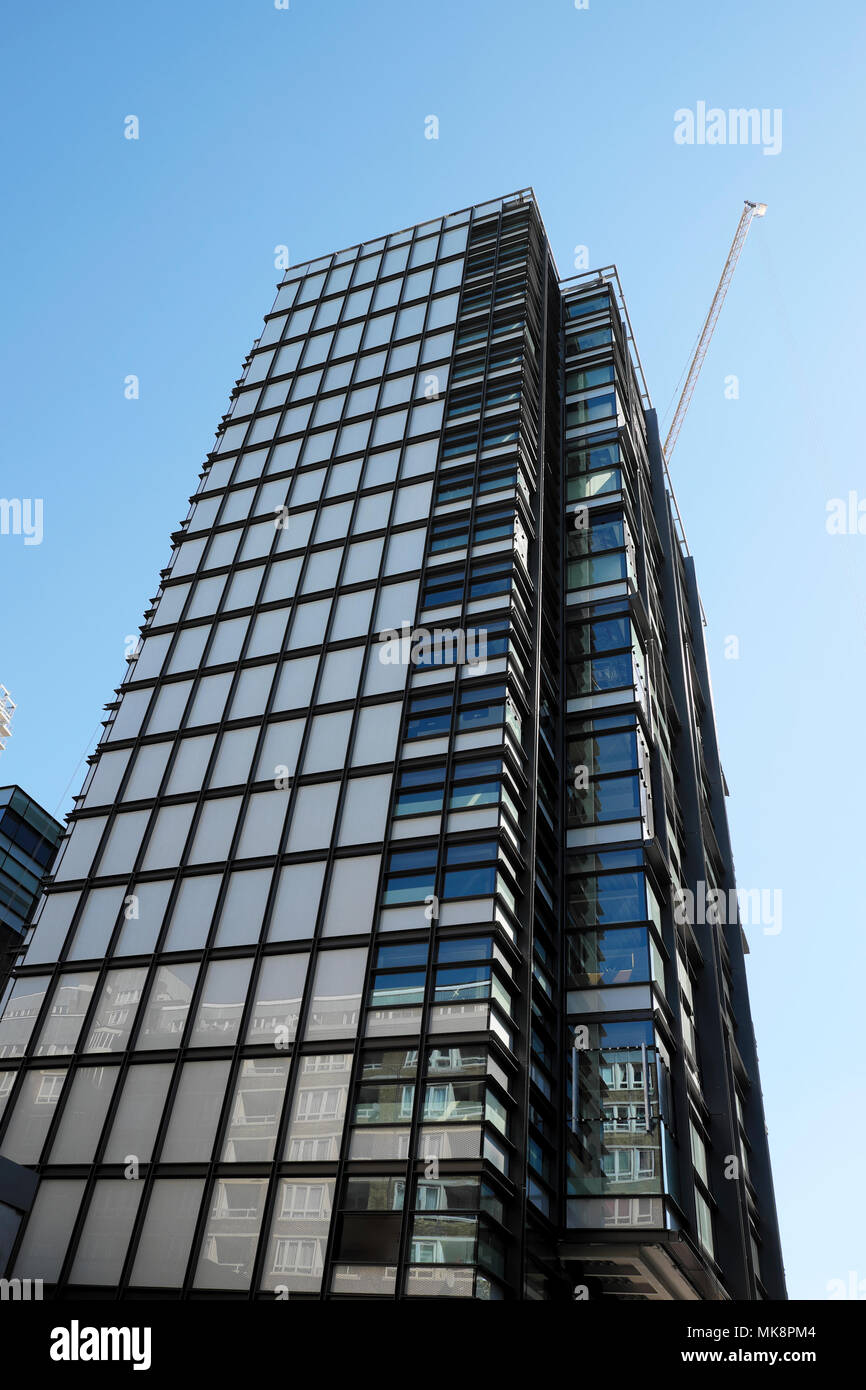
x=358 y=975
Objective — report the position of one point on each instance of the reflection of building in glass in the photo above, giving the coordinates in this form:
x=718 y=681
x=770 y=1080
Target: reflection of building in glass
x=28 y=840
x=358 y=976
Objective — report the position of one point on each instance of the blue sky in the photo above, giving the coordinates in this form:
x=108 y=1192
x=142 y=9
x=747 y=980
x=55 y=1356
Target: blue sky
x=261 y=127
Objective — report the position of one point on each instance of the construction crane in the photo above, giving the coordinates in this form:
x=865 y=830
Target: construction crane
x=750 y=210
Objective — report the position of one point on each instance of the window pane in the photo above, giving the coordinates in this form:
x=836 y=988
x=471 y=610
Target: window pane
x=218 y=1019
x=116 y=1010
x=195 y=1112
x=294 y=1259
x=318 y=1109
x=34 y=1110
x=103 y=1242
x=163 y=1248
x=232 y=1234
x=277 y=1003
x=137 y=1116
x=83 y=1115
x=255 y=1110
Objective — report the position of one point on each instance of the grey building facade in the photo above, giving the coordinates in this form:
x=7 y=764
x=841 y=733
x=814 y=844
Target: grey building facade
x=363 y=971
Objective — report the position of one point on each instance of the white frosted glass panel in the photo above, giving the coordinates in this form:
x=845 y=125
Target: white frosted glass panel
x=383 y=675
x=103 y=1242
x=442 y=311
x=381 y=468
x=234 y=757
x=205 y=599
x=258 y=541
x=279 y=754
x=221 y=550
x=363 y=560
x=227 y=641
x=168 y=837
x=49 y=1227
x=34 y=1109
x=193 y=912
x=218 y=1020
x=79 y=849
x=188 y=555
x=341 y=671
x=168 y=710
x=116 y=1008
x=210 y=699
x=170 y=606
x=313 y=817
x=107 y=777
x=195 y=1112
x=147 y=771
x=390 y=428
x=138 y=1113
x=282 y=580
x=231 y=1235
x=333 y=523
x=143 y=917
x=352 y=615
x=96 y=923
x=318 y=1108
x=294 y=532
x=376 y=734
x=372 y=512
x=190 y=764
x=263 y=824
x=397 y=603
x=344 y=478
x=72 y=997
x=310 y=621
x=252 y=690
x=244 y=907
x=297 y=902
x=84 y=1115
x=166 y=1011
x=295 y=685
x=263 y=429
x=244 y=587
x=149 y=661
x=128 y=719
x=295 y=1253
x=405 y=551
x=277 y=1003
x=215 y=829
x=336 y=1001
x=237 y=506
x=19 y=1015
x=352 y=895
x=327 y=742
x=308 y=486
x=420 y=458
x=189 y=648
x=163 y=1249
x=254 y=1111
x=268 y=632
x=322 y=570
x=365 y=810
x=51 y=928
x=353 y=438
x=413 y=502
x=424 y=419
x=124 y=842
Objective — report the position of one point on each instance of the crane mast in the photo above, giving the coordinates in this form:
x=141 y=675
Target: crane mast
x=750 y=210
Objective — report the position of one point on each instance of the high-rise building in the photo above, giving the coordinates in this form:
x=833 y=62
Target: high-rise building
x=367 y=969
x=28 y=841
